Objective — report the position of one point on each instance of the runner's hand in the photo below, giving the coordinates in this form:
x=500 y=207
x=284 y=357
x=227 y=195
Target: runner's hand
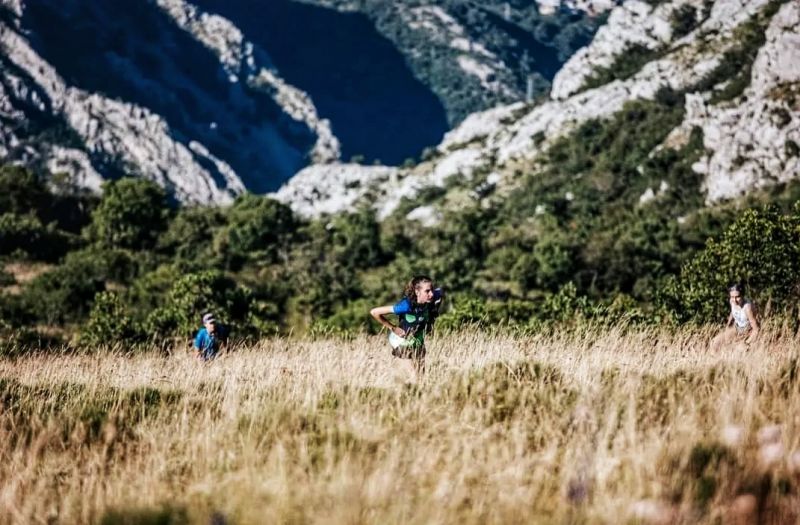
x=399 y=331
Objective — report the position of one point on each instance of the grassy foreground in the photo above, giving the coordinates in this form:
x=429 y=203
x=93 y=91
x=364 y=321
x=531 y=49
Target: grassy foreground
x=588 y=426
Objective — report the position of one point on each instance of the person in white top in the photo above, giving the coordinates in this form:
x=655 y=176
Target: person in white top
x=742 y=322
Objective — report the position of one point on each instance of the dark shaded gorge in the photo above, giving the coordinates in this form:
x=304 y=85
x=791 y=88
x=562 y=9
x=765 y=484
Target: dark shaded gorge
x=356 y=77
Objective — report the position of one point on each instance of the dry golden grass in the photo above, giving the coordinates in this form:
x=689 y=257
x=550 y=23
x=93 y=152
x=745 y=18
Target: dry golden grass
x=588 y=426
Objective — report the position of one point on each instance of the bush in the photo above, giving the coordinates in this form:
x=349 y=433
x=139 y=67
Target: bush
x=259 y=230
x=352 y=319
x=760 y=249
x=65 y=294
x=452 y=252
x=193 y=295
x=109 y=322
x=132 y=214
x=683 y=21
x=6 y=279
x=356 y=240
x=22 y=192
x=25 y=234
x=14 y=312
x=627 y=64
x=190 y=235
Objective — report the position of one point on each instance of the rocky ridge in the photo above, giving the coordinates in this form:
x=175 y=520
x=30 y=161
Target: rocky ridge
x=755 y=141
x=476 y=55
x=237 y=55
x=751 y=140
x=95 y=132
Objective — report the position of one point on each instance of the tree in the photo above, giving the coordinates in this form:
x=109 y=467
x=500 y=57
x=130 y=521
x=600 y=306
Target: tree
x=197 y=293
x=26 y=234
x=259 y=230
x=190 y=235
x=760 y=249
x=66 y=293
x=21 y=191
x=356 y=239
x=109 y=322
x=132 y=214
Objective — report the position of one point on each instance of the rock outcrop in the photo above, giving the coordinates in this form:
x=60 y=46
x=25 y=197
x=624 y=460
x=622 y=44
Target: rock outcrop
x=49 y=124
x=113 y=129
x=752 y=140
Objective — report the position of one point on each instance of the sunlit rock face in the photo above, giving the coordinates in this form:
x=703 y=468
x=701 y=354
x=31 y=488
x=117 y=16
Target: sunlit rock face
x=179 y=94
x=137 y=94
x=756 y=140
x=750 y=139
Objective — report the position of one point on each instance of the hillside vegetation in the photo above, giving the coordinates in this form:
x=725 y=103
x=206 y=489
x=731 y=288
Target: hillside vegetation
x=584 y=426
x=130 y=268
x=610 y=220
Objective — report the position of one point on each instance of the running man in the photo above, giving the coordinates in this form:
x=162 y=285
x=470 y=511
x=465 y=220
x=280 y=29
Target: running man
x=210 y=338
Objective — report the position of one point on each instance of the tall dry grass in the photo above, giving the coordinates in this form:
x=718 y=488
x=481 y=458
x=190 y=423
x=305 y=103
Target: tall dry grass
x=587 y=426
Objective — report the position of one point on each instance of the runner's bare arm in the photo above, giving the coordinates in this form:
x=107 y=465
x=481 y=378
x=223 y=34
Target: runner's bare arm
x=378 y=314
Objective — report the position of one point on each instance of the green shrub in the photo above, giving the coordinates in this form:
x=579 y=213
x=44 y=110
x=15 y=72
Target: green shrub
x=26 y=235
x=132 y=214
x=356 y=240
x=351 y=319
x=791 y=148
x=195 y=294
x=65 y=293
x=6 y=279
x=190 y=235
x=625 y=65
x=683 y=20
x=109 y=322
x=760 y=249
x=22 y=192
x=259 y=230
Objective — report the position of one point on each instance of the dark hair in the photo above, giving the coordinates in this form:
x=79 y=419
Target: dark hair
x=410 y=291
x=736 y=287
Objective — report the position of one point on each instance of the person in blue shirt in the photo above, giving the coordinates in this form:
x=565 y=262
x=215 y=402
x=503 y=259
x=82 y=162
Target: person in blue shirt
x=210 y=338
x=416 y=313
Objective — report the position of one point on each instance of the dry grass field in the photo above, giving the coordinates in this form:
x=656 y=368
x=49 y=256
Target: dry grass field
x=587 y=426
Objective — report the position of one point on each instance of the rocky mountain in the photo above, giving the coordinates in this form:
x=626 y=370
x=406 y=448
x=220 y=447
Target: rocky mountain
x=734 y=63
x=102 y=90
x=476 y=55
x=213 y=98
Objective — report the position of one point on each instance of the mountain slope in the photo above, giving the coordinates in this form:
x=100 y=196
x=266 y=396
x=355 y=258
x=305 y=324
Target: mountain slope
x=214 y=98
x=476 y=55
x=141 y=96
x=735 y=61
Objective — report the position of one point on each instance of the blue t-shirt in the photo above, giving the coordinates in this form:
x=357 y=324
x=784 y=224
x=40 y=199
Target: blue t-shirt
x=414 y=319
x=208 y=344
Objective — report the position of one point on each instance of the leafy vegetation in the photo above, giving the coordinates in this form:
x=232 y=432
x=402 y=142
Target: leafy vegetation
x=608 y=227
x=683 y=20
